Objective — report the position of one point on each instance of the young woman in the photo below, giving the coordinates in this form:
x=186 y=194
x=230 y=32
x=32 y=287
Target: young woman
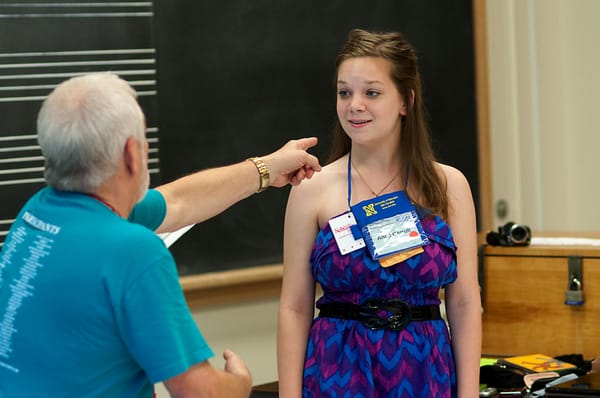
x=381 y=229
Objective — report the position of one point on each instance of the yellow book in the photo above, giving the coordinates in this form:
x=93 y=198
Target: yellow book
x=537 y=363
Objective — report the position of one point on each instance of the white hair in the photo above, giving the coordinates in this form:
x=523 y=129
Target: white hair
x=83 y=126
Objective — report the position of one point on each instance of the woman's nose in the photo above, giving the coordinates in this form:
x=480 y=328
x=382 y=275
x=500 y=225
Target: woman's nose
x=357 y=104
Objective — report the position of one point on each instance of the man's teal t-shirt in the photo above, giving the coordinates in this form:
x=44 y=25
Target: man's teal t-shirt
x=90 y=303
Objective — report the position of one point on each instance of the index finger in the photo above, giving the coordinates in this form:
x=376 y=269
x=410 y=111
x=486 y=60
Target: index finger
x=305 y=143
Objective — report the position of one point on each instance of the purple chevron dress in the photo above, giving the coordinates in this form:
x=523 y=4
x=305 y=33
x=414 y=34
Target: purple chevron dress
x=346 y=359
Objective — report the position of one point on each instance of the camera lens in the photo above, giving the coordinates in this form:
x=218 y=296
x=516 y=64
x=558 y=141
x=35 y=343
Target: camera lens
x=519 y=234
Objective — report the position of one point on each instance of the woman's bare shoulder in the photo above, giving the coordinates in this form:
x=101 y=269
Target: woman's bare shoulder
x=458 y=189
x=324 y=195
x=455 y=179
x=330 y=175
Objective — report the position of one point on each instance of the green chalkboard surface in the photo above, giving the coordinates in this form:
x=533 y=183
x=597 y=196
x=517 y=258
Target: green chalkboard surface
x=239 y=78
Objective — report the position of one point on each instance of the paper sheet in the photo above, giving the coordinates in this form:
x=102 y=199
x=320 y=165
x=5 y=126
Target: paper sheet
x=171 y=237
x=564 y=241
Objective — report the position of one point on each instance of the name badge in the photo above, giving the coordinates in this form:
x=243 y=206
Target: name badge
x=341 y=226
x=388 y=224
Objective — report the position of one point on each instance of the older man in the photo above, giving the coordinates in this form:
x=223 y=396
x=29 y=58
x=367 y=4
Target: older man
x=90 y=303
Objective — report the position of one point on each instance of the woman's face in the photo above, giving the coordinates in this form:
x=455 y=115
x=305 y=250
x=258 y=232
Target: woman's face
x=369 y=106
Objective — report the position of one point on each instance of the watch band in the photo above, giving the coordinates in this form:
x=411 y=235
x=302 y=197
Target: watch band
x=263 y=171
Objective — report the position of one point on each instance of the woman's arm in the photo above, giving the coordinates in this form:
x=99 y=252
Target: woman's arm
x=463 y=300
x=296 y=308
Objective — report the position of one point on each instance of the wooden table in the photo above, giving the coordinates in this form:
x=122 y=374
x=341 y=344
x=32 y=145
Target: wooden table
x=523 y=295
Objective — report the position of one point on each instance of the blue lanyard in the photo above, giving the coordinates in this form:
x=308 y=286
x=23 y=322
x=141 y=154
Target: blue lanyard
x=350 y=178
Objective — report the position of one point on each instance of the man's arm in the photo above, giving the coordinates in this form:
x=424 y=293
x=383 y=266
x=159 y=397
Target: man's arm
x=202 y=195
x=204 y=381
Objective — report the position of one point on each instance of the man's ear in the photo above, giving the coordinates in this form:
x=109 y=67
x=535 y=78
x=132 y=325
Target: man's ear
x=131 y=154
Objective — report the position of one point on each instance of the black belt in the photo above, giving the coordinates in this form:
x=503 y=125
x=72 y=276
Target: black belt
x=397 y=315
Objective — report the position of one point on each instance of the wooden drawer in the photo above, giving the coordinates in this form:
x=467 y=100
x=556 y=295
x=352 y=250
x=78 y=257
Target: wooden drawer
x=523 y=294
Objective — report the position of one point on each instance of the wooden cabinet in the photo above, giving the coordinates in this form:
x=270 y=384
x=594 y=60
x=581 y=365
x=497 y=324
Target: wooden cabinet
x=523 y=295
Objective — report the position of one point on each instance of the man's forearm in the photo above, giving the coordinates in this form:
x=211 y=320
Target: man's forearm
x=204 y=194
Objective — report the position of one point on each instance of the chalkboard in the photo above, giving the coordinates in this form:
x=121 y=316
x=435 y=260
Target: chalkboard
x=240 y=78
x=45 y=43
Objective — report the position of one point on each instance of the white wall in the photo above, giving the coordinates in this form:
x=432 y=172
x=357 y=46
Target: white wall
x=544 y=92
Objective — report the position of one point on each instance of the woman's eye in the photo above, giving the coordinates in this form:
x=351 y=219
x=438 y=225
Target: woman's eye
x=343 y=93
x=372 y=93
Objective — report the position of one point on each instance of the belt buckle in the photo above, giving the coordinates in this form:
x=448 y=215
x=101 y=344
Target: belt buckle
x=399 y=318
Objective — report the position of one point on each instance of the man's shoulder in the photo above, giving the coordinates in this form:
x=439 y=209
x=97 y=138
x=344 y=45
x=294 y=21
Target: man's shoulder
x=150 y=211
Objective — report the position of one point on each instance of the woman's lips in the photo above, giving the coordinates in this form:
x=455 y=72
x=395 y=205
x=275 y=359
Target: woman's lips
x=359 y=123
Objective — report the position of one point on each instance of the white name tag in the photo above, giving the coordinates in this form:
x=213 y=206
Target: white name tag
x=394 y=234
x=340 y=226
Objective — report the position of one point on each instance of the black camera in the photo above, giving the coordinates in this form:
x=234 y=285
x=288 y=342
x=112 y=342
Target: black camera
x=510 y=234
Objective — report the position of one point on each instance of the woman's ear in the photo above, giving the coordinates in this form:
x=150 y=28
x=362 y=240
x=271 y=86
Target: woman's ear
x=404 y=109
